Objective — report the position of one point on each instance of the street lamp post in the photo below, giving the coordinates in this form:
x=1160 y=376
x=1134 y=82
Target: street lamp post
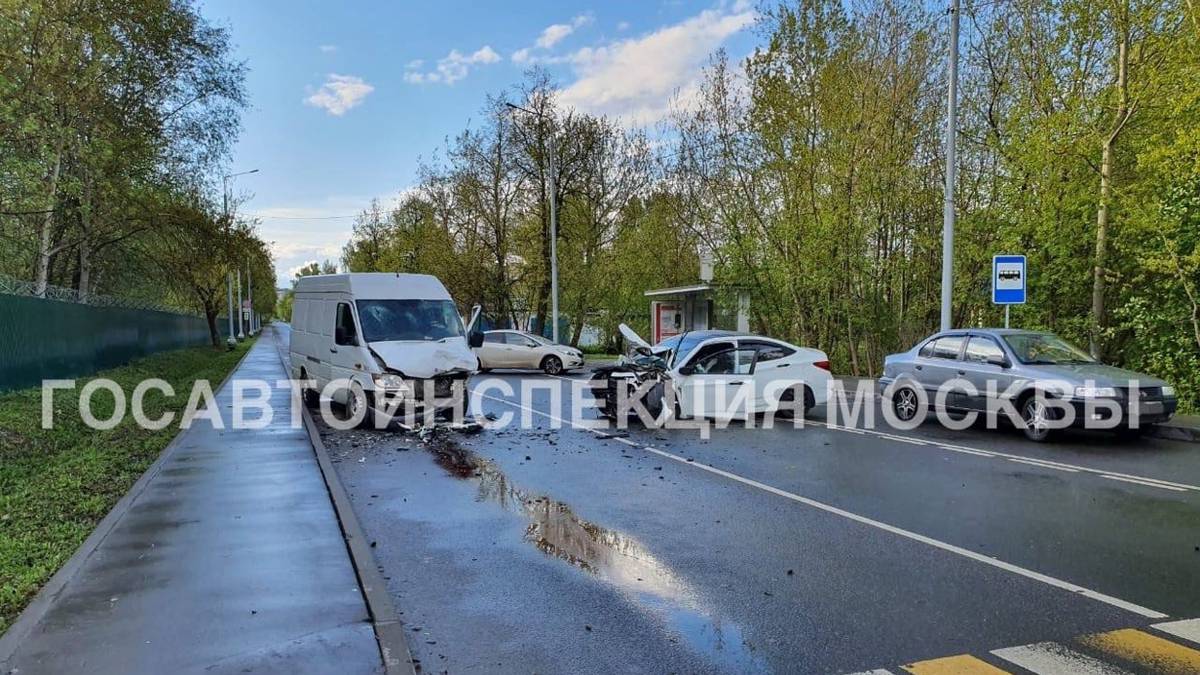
x=249 y=299
x=553 y=225
x=229 y=273
x=951 y=170
x=241 y=328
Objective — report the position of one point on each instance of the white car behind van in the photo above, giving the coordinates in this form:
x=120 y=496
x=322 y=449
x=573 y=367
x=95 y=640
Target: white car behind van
x=381 y=334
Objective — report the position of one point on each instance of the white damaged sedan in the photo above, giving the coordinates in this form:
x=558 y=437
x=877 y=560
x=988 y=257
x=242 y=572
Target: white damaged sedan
x=713 y=374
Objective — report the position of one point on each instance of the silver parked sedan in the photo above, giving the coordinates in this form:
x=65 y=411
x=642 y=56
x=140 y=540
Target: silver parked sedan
x=518 y=349
x=1042 y=376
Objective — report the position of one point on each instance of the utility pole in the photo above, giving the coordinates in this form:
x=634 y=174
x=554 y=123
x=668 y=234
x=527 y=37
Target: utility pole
x=553 y=245
x=241 y=330
x=553 y=224
x=229 y=273
x=250 y=298
x=951 y=170
x=229 y=294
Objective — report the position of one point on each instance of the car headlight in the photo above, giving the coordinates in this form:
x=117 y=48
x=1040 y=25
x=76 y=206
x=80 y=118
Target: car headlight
x=390 y=381
x=1095 y=392
x=1168 y=390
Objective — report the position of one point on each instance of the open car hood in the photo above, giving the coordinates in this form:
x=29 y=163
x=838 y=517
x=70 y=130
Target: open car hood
x=633 y=338
x=426 y=359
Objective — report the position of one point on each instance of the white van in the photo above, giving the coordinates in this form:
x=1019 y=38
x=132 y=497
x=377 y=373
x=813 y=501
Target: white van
x=380 y=333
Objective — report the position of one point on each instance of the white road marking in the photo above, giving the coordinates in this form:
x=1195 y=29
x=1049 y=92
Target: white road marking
x=1050 y=658
x=1154 y=482
x=1188 y=629
x=1044 y=465
x=1146 y=482
x=930 y=541
x=1075 y=468
x=967 y=451
x=877 y=671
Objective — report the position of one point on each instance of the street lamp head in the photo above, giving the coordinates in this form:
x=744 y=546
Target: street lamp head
x=514 y=106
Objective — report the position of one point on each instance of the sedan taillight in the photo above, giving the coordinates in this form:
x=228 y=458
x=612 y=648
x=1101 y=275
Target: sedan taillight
x=823 y=365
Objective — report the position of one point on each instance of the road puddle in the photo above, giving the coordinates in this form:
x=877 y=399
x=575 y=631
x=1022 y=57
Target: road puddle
x=610 y=556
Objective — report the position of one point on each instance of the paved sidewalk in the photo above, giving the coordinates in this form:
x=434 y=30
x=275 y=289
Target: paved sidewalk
x=229 y=559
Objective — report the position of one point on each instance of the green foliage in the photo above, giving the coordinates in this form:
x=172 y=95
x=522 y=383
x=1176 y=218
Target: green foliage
x=813 y=173
x=112 y=117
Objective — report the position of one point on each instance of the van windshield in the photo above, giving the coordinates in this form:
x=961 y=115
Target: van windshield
x=390 y=320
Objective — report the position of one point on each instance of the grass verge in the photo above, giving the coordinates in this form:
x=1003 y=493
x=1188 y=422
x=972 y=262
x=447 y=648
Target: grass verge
x=57 y=484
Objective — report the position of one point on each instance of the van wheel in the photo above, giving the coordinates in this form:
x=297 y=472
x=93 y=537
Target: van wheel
x=358 y=403
x=309 y=395
x=552 y=365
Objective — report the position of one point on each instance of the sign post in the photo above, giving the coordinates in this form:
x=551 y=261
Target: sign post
x=1008 y=281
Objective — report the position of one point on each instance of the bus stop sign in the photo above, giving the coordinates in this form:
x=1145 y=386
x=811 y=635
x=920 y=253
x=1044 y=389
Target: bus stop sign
x=1008 y=279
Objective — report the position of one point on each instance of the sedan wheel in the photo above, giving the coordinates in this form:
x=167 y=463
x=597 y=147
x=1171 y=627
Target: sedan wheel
x=905 y=404
x=1037 y=416
x=552 y=365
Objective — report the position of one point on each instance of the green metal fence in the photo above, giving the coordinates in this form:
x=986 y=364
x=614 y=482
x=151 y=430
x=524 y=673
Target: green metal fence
x=46 y=339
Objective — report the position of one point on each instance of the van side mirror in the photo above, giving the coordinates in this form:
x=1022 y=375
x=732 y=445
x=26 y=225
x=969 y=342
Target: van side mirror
x=1001 y=361
x=475 y=339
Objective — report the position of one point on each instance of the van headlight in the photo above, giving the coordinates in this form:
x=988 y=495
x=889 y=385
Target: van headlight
x=390 y=381
x=1095 y=392
x=1168 y=391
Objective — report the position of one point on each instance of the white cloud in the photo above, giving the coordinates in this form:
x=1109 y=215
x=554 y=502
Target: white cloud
x=554 y=33
x=635 y=79
x=328 y=49
x=339 y=94
x=451 y=68
x=550 y=36
x=623 y=26
x=522 y=56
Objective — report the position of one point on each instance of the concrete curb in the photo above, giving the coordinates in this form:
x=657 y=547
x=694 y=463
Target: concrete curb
x=1174 y=432
x=389 y=631
x=36 y=609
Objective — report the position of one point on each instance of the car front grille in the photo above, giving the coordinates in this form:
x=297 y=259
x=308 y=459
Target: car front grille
x=1144 y=393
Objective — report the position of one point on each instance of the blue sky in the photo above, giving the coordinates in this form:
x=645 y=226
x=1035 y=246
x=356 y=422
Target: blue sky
x=347 y=97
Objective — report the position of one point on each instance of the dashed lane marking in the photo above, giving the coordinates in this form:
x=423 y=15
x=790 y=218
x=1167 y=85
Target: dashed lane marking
x=930 y=541
x=1044 y=463
x=1144 y=480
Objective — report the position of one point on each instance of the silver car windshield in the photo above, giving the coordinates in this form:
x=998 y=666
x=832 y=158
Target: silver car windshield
x=1045 y=349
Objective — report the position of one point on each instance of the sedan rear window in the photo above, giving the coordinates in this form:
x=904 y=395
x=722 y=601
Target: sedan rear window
x=943 y=348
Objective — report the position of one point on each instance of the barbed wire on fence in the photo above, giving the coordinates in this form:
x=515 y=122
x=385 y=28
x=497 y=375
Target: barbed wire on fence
x=13 y=286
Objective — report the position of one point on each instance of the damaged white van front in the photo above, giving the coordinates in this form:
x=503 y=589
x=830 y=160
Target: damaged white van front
x=382 y=342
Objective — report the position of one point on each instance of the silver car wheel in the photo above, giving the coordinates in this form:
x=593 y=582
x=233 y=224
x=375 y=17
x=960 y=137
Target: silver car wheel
x=1036 y=416
x=905 y=404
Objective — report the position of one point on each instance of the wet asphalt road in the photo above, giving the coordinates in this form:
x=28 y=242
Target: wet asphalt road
x=785 y=550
